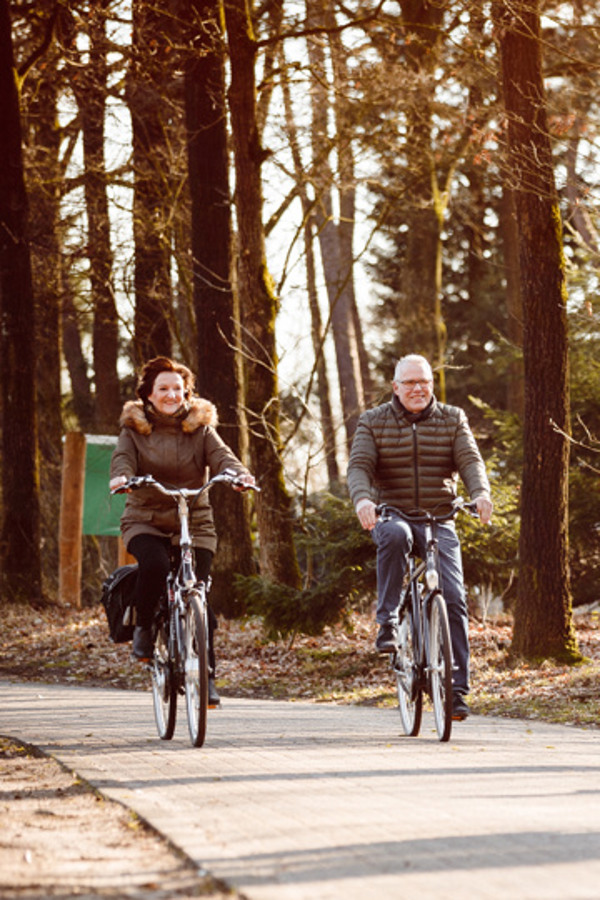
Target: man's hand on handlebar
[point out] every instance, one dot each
(367, 513)
(485, 507)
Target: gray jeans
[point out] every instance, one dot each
(395, 540)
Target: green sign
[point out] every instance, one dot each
(101, 511)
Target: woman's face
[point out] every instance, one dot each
(168, 393)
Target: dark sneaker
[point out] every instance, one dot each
(213, 697)
(143, 644)
(387, 639)
(460, 709)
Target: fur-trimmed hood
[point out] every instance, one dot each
(141, 417)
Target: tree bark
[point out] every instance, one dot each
(316, 324)
(89, 86)
(515, 388)
(345, 112)
(543, 624)
(423, 327)
(336, 254)
(20, 557)
(215, 301)
(42, 137)
(82, 397)
(151, 69)
(258, 306)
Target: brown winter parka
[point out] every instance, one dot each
(177, 450)
(413, 462)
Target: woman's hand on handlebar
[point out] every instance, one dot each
(244, 482)
(117, 482)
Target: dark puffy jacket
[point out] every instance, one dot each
(414, 464)
(177, 450)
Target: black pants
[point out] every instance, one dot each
(154, 555)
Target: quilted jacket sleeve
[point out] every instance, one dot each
(362, 463)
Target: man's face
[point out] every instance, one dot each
(414, 386)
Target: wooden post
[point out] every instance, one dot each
(71, 518)
(125, 558)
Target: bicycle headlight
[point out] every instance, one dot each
(431, 579)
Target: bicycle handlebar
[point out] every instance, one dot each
(228, 476)
(422, 515)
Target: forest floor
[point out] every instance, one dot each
(112, 853)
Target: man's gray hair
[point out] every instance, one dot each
(411, 358)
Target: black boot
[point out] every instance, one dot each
(143, 643)
(213, 696)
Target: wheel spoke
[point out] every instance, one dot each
(405, 664)
(164, 687)
(196, 667)
(440, 667)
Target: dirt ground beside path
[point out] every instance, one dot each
(61, 839)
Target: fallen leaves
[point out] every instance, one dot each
(72, 645)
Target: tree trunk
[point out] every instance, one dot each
(337, 265)
(515, 389)
(89, 86)
(258, 306)
(216, 306)
(82, 398)
(151, 68)
(42, 137)
(345, 113)
(20, 560)
(316, 325)
(423, 328)
(543, 625)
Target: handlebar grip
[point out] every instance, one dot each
(132, 484)
(246, 487)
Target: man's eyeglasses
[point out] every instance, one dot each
(411, 385)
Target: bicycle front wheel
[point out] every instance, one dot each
(440, 671)
(196, 666)
(410, 694)
(164, 687)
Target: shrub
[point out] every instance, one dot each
(338, 565)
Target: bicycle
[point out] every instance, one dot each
(422, 662)
(180, 661)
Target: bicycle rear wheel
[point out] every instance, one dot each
(410, 694)
(440, 672)
(196, 666)
(164, 686)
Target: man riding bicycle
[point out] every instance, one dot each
(408, 453)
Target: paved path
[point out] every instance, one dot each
(299, 801)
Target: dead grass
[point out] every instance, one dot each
(65, 645)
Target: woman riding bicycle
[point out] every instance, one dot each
(171, 434)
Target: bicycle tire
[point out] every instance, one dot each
(440, 667)
(410, 694)
(164, 687)
(195, 633)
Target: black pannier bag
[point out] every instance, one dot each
(118, 601)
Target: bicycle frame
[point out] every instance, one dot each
(180, 663)
(420, 601)
(423, 660)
